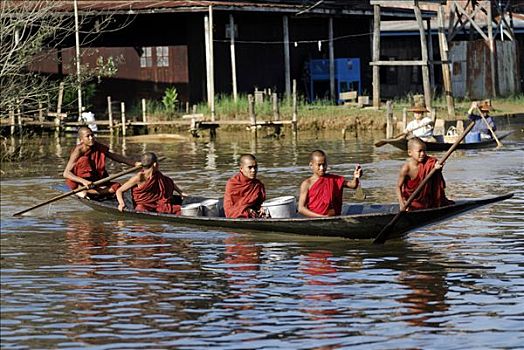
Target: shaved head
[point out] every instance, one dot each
(148, 159)
(82, 131)
(246, 157)
(317, 153)
(416, 141)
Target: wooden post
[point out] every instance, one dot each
(492, 49)
(276, 110)
(430, 55)
(287, 65)
(60, 97)
(110, 113)
(233, 59)
(446, 71)
(211, 64)
(12, 120)
(144, 115)
(295, 108)
(123, 114)
(251, 111)
(41, 113)
(404, 119)
(331, 62)
(208, 34)
(19, 117)
(424, 50)
(389, 120)
(376, 56)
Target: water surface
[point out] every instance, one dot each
(73, 278)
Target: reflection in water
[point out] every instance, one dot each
(75, 278)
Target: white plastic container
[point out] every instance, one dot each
(193, 209)
(210, 208)
(281, 207)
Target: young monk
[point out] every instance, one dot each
(321, 194)
(244, 192)
(152, 191)
(87, 164)
(417, 166)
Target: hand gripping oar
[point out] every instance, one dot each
(83, 188)
(499, 144)
(383, 235)
(398, 136)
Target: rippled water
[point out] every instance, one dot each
(75, 278)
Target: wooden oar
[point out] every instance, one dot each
(398, 136)
(499, 144)
(83, 188)
(383, 235)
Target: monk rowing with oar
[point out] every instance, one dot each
(416, 168)
(321, 194)
(87, 164)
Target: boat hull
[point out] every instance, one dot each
(358, 222)
(442, 146)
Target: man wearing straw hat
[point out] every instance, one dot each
(421, 127)
(480, 125)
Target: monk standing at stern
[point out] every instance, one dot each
(152, 190)
(413, 172)
(87, 164)
(244, 193)
(321, 194)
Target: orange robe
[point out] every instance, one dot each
(325, 195)
(92, 166)
(242, 194)
(156, 194)
(433, 194)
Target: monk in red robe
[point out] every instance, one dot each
(244, 193)
(152, 190)
(87, 164)
(413, 172)
(321, 194)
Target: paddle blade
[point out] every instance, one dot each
(380, 143)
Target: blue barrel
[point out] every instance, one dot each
(473, 137)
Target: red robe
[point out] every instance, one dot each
(433, 194)
(156, 194)
(92, 166)
(326, 195)
(242, 194)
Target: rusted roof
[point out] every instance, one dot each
(341, 7)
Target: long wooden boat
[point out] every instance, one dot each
(359, 221)
(402, 143)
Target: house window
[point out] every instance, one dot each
(146, 60)
(162, 56)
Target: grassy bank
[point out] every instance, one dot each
(324, 115)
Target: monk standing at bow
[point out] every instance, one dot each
(321, 194)
(413, 172)
(87, 164)
(244, 193)
(152, 190)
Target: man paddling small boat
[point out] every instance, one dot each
(416, 168)
(87, 164)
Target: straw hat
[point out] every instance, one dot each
(485, 106)
(419, 107)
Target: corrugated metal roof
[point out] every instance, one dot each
(304, 8)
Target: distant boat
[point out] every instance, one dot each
(359, 221)
(402, 143)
